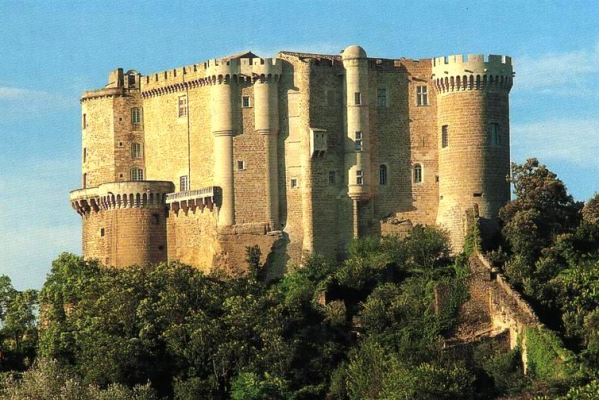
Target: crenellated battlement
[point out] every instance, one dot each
(210, 72)
(132, 194)
(472, 72)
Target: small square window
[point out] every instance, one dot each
(293, 183)
(182, 106)
(357, 98)
(422, 96)
(245, 102)
(332, 178)
(359, 177)
(381, 96)
(240, 165)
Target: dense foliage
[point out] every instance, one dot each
(550, 251)
(368, 328)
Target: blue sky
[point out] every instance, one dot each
(51, 51)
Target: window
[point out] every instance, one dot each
(240, 165)
(182, 106)
(358, 141)
(422, 96)
(137, 174)
(357, 98)
(84, 154)
(332, 178)
(84, 183)
(381, 97)
(383, 174)
(245, 102)
(84, 121)
(135, 116)
(184, 183)
(135, 150)
(359, 177)
(494, 138)
(444, 136)
(293, 183)
(102, 232)
(417, 173)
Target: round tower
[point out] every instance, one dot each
(266, 74)
(357, 151)
(473, 139)
(124, 223)
(222, 75)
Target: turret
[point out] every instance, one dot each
(357, 151)
(473, 126)
(112, 131)
(124, 222)
(266, 108)
(222, 76)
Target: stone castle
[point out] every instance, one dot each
(296, 154)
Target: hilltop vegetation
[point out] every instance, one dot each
(366, 328)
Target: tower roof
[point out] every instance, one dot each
(354, 51)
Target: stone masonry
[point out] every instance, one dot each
(296, 154)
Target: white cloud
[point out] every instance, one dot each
(569, 140)
(17, 101)
(563, 74)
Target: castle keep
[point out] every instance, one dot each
(296, 154)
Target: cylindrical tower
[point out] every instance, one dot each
(474, 152)
(124, 223)
(357, 151)
(266, 98)
(222, 105)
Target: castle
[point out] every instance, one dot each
(296, 154)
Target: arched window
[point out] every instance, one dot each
(383, 174)
(137, 174)
(417, 173)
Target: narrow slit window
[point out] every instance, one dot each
(444, 136)
(84, 121)
(383, 175)
(417, 173)
(182, 106)
(381, 95)
(494, 134)
(184, 183)
(358, 141)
